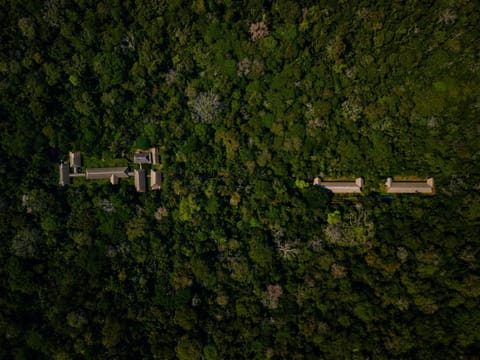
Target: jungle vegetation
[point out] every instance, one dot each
(238, 257)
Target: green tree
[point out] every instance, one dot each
(188, 348)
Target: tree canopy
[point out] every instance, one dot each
(239, 256)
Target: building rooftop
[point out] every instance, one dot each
(106, 173)
(75, 159)
(114, 179)
(409, 187)
(146, 156)
(340, 187)
(140, 180)
(155, 180)
(64, 174)
(142, 157)
(154, 155)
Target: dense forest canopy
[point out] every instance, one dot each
(238, 256)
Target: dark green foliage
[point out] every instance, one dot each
(238, 256)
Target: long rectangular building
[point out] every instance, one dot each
(155, 180)
(409, 187)
(340, 187)
(112, 173)
(140, 180)
(64, 174)
(154, 155)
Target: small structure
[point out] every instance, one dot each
(340, 187)
(26, 203)
(142, 157)
(114, 179)
(140, 180)
(409, 187)
(113, 173)
(64, 174)
(155, 180)
(75, 161)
